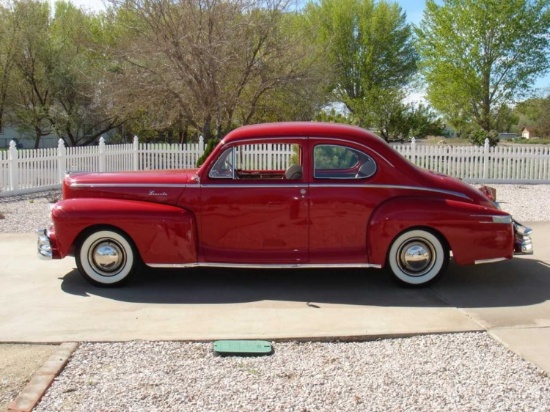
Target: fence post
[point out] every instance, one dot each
(135, 150)
(61, 160)
(13, 166)
(485, 160)
(201, 146)
(101, 154)
(413, 150)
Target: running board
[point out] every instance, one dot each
(263, 266)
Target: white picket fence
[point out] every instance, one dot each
(27, 171)
(475, 164)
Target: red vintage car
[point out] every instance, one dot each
(340, 197)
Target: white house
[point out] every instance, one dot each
(7, 134)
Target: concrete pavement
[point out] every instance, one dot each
(49, 302)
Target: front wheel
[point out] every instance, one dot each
(418, 258)
(106, 258)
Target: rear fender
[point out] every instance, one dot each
(161, 233)
(469, 230)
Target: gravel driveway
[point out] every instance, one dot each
(460, 372)
(451, 372)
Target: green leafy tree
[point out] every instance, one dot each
(369, 47)
(8, 48)
(78, 115)
(55, 73)
(478, 137)
(33, 69)
(210, 146)
(333, 116)
(424, 122)
(478, 55)
(533, 113)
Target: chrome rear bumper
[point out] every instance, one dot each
(522, 239)
(44, 246)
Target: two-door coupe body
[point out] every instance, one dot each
(339, 197)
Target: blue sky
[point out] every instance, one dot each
(413, 8)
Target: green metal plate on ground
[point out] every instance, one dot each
(242, 347)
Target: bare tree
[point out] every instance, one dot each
(207, 63)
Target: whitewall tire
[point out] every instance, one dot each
(106, 258)
(417, 258)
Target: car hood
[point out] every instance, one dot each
(164, 186)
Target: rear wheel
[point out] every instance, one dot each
(106, 258)
(418, 258)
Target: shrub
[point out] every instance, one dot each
(479, 136)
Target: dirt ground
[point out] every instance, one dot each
(18, 362)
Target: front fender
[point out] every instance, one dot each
(161, 233)
(470, 230)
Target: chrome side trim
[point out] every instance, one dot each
(424, 189)
(495, 219)
(263, 266)
(253, 185)
(147, 185)
(333, 185)
(44, 247)
(482, 261)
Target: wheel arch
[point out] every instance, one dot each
(160, 233)
(87, 231)
(399, 215)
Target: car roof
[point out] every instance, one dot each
(317, 129)
(304, 129)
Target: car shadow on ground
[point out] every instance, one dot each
(522, 281)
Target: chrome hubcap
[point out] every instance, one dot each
(416, 257)
(107, 257)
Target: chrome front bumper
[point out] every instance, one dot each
(522, 239)
(44, 246)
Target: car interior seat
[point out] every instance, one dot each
(294, 172)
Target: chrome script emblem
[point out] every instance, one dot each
(153, 193)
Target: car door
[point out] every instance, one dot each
(341, 202)
(254, 205)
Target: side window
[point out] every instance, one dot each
(341, 162)
(223, 168)
(261, 161)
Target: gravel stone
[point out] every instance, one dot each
(26, 213)
(450, 372)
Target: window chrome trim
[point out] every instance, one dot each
(352, 142)
(354, 178)
(232, 154)
(268, 139)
